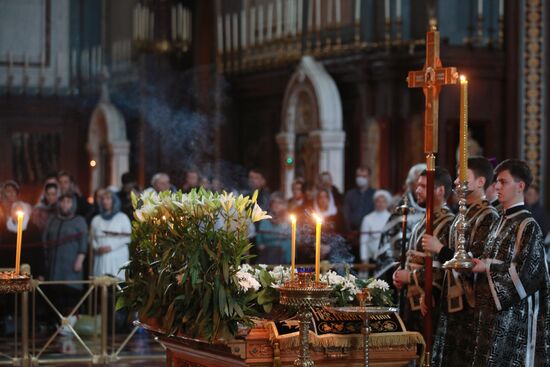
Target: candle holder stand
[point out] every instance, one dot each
(364, 312)
(461, 260)
(12, 283)
(302, 297)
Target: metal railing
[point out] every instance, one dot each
(30, 351)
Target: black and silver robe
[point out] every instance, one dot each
(389, 249)
(453, 346)
(512, 296)
(441, 226)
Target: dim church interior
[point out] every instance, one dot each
(99, 88)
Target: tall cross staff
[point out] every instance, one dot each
(431, 78)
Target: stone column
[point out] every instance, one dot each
(286, 142)
(330, 146)
(120, 152)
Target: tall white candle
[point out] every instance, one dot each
(479, 8)
(220, 34)
(252, 26)
(398, 8)
(500, 8)
(279, 18)
(228, 46)
(243, 29)
(357, 11)
(300, 15)
(329, 11)
(338, 5)
(318, 14)
(387, 10)
(269, 21)
(260, 24)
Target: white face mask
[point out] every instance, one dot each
(361, 181)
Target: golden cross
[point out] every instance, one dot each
(431, 78)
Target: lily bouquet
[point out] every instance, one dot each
(186, 252)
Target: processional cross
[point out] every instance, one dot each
(431, 78)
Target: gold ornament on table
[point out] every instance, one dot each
(364, 311)
(461, 260)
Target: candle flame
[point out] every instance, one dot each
(292, 218)
(317, 218)
(20, 214)
(463, 79)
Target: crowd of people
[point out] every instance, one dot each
(67, 237)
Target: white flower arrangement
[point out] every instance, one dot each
(247, 282)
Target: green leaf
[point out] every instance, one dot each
(222, 300)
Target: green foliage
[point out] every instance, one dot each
(185, 254)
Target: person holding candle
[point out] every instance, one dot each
(412, 277)
(512, 294)
(452, 343)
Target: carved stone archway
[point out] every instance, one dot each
(107, 144)
(311, 128)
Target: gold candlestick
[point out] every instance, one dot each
(461, 259)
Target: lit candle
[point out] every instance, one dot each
(293, 247)
(20, 216)
(463, 168)
(387, 10)
(357, 11)
(480, 8)
(319, 222)
(338, 5)
(501, 8)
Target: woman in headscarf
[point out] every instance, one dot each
(110, 234)
(66, 240)
(46, 207)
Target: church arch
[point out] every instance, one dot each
(107, 145)
(311, 134)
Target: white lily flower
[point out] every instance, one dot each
(258, 214)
